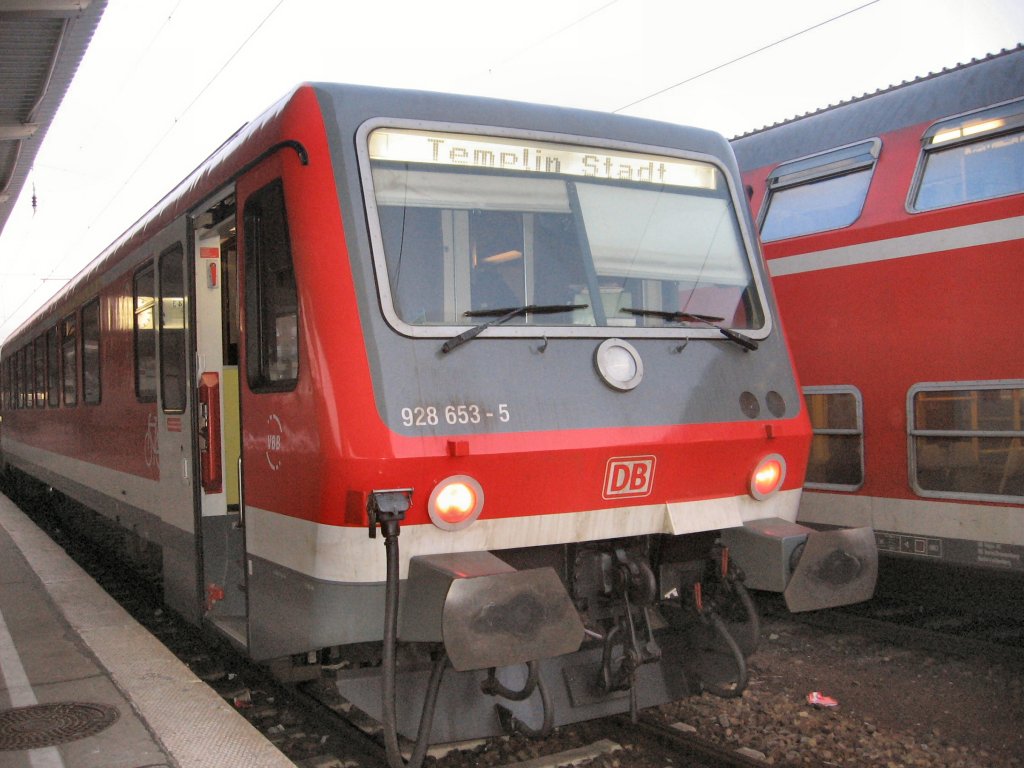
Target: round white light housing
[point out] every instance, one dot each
(619, 364)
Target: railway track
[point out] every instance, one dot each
(935, 629)
(646, 743)
(953, 621)
(890, 627)
(664, 743)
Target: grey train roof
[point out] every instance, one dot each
(979, 83)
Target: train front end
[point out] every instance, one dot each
(568, 401)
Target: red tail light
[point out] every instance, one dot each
(455, 502)
(767, 477)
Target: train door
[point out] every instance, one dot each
(165, 284)
(221, 525)
(268, 366)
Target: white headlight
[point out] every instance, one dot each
(619, 364)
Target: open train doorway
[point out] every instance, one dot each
(221, 528)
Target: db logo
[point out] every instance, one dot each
(628, 476)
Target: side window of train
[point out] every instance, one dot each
(971, 157)
(144, 330)
(173, 342)
(818, 193)
(69, 355)
(25, 396)
(19, 372)
(12, 382)
(271, 296)
(91, 387)
(837, 448)
(30, 398)
(19, 368)
(39, 369)
(29, 388)
(967, 440)
(12, 364)
(25, 371)
(52, 368)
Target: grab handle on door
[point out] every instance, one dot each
(212, 476)
(241, 495)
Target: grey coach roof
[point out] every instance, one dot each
(979, 83)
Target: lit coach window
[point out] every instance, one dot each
(455, 502)
(768, 476)
(970, 157)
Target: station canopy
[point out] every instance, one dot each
(42, 43)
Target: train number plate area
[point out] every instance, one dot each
(908, 545)
(986, 554)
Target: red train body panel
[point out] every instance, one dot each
(293, 356)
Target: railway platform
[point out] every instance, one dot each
(83, 685)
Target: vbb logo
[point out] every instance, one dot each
(628, 476)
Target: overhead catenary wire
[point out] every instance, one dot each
(554, 34)
(189, 106)
(747, 55)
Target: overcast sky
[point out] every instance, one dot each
(166, 81)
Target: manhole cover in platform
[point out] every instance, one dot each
(45, 725)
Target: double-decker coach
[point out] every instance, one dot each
(893, 227)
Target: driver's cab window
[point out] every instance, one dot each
(654, 242)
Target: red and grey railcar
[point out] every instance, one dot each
(893, 227)
(537, 343)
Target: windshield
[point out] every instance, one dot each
(470, 224)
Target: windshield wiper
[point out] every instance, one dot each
(503, 315)
(744, 341)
